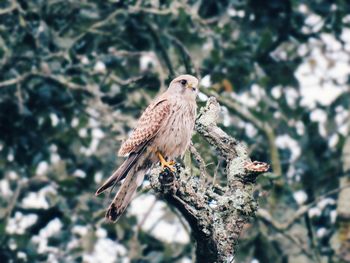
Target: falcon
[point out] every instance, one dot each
(162, 134)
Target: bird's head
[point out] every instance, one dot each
(186, 85)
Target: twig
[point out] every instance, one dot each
(125, 82)
(58, 78)
(200, 161)
(216, 173)
(143, 220)
(154, 11)
(186, 57)
(13, 201)
(181, 219)
(262, 126)
(162, 49)
(9, 9)
(99, 24)
(14, 81)
(266, 217)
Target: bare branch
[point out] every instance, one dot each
(266, 217)
(14, 81)
(162, 49)
(245, 114)
(199, 160)
(58, 78)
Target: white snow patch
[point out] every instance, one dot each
(318, 115)
(147, 61)
(325, 202)
(287, 142)
(163, 230)
(303, 49)
(83, 132)
(276, 92)
(80, 230)
(314, 212)
(54, 119)
(42, 168)
(79, 173)
(5, 188)
(75, 122)
(202, 96)
(333, 141)
(205, 81)
(100, 67)
(38, 200)
(345, 34)
(314, 22)
(226, 116)
(98, 177)
(331, 42)
(53, 148)
(97, 133)
(300, 127)
(101, 233)
(52, 228)
(250, 130)
(303, 8)
(12, 175)
(333, 216)
(84, 60)
(10, 157)
(300, 197)
(106, 251)
(246, 99)
(54, 158)
(321, 232)
(291, 96)
(21, 255)
(19, 223)
(257, 91)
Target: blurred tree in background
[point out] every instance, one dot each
(75, 75)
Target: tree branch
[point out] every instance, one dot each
(162, 49)
(263, 127)
(216, 219)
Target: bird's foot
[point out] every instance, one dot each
(169, 165)
(165, 164)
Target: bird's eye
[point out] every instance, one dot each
(183, 82)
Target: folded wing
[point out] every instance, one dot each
(147, 127)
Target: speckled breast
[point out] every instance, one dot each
(173, 138)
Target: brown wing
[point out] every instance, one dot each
(147, 127)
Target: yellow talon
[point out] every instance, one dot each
(164, 163)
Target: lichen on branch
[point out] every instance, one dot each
(216, 218)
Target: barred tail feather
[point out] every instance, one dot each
(125, 194)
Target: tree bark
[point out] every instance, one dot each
(215, 214)
(341, 238)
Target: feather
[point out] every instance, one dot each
(124, 195)
(123, 170)
(149, 124)
(119, 174)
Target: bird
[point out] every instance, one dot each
(162, 134)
